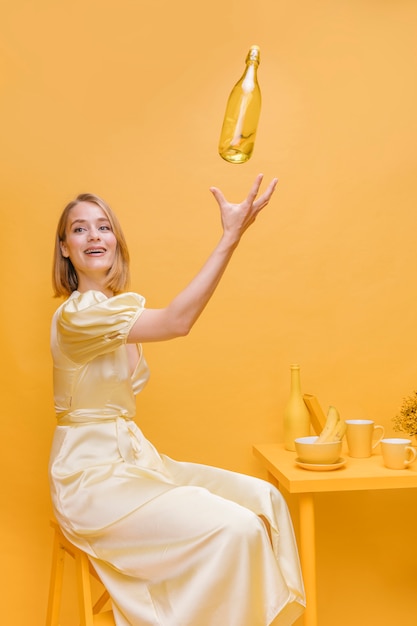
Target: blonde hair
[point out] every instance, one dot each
(64, 276)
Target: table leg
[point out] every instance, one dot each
(308, 556)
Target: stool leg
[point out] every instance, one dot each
(55, 586)
(101, 602)
(89, 615)
(84, 589)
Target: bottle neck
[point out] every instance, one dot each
(295, 380)
(251, 65)
(252, 62)
(249, 79)
(253, 56)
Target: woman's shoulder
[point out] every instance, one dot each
(79, 301)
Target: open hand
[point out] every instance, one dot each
(236, 218)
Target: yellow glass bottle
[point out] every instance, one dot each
(296, 414)
(237, 138)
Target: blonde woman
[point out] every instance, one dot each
(175, 543)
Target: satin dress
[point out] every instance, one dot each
(175, 543)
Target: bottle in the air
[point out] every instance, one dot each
(237, 138)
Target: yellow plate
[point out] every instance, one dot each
(321, 467)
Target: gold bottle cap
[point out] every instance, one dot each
(254, 54)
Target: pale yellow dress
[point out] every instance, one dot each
(176, 544)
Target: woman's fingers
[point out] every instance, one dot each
(251, 197)
(266, 196)
(254, 189)
(218, 194)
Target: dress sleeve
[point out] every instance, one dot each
(90, 324)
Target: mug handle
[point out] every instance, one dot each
(382, 429)
(411, 455)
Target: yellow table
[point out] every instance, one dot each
(355, 475)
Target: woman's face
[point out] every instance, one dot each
(90, 244)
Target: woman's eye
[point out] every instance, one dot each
(105, 228)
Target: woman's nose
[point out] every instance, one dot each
(94, 234)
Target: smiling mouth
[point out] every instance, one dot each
(94, 251)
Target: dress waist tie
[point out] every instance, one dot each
(127, 432)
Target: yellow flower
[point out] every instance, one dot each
(406, 420)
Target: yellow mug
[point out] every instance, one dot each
(397, 453)
(360, 437)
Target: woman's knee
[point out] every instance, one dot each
(245, 527)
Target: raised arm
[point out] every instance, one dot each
(177, 319)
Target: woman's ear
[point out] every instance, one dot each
(64, 250)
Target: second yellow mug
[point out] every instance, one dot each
(360, 435)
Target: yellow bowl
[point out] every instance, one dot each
(309, 451)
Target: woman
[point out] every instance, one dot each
(176, 544)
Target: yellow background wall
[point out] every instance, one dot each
(126, 99)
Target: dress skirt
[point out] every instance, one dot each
(175, 544)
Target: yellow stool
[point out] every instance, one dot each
(90, 615)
